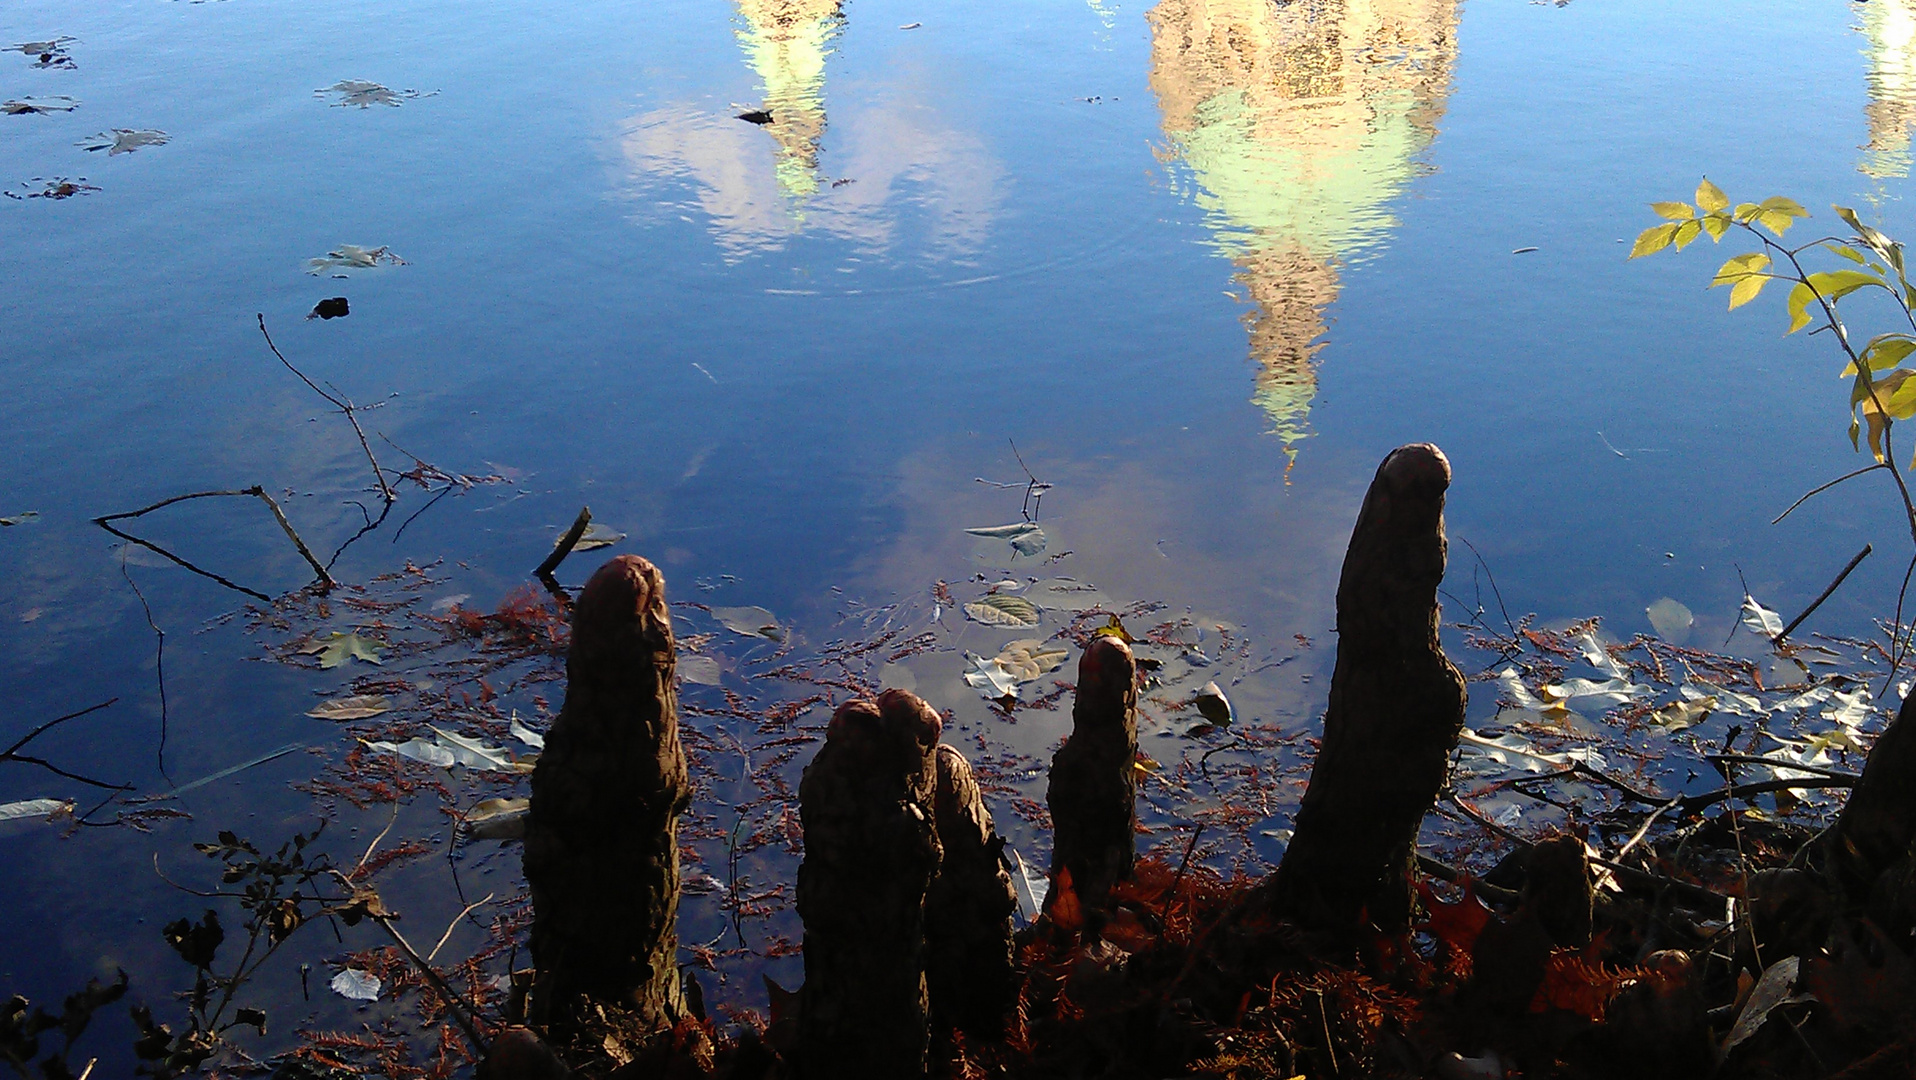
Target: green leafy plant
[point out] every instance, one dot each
(1882, 390)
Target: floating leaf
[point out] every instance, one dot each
(1028, 658)
(1000, 610)
(35, 808)
(1114, 627)
(1511, 750)
(525, 734)
(124, 140)
(23, 518)
(356, 984)
(335, 307)
(597, 536)
(1678, 715)
(1759, 619)
(336, 648)
(354, 257)
(1025, 537)
(749, 621)
(367, 94)
(357, 707)
(1065, 594)
(702, 670)
(426, 750)
(499, 819)
(28, 106)
(59, 187)
(990, 678)
(1213, 705)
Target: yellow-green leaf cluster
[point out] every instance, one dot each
(1745, 276)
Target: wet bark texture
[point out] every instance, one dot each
(1867, 851)
(1396, 708)
(867, 804)
(1093, 792)
(601, 847)
(968, 909)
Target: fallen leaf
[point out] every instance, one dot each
(989, 678)
(123, 140)
(997, 610)
(1771, 991)
(1678, 715)
(356, 984)
(426, 750)
(357, 707)
(367, 94)
(1024, 537)
(1067, 913)
(702, 670)
(332, 308)
(336, 648)
(1031, 888)
(749, 621)
(499, 819)
(1114, 627)
(57, 188)
(1669, 618)
(31, 808)
(1759, 619)
(354, 257)
(23, 518)
(525, 734)
(760, 117)
(1214, 706)
(27, 106)
(1504, 748)
(597, 536)
(1027, 658)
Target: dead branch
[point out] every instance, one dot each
(326, 581)
(12, 753)
(565, 545)
(342, 404)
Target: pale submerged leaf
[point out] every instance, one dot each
(1678, 715)
(1029, 658)
(1759, 619)
(1670, 618)
(597, 536)
(335, 648)
(35, 808)
(749, 621)
(1000, 610)
(525, 734)
(990, 678)
(1024, 537)
(499, 819)
(357, 707)
(702, 670)
(357, 985)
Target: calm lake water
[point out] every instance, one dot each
(1204, 261)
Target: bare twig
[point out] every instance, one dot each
(1825, 595)
(12, 753)
(1821, 488)
(344, 405)
(326, 581)
(159, 654)
(454, 925)
(565, 545)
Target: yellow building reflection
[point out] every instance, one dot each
(1300, 121)
(787, 42)
(1889, 31)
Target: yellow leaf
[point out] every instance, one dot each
(1686, 232)
(1710, 197)
(1745, 290)
(1747, 211)
(1883, 352)
(1652, 240)
(1787, 206)
(1675, 211)
(1738, 267)
(1776, 221)
(1798, 305)
(1716, 225)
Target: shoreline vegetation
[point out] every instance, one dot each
(1650, 857)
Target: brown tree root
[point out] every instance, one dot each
(1093, 791)
(601, 848)
(968, 910)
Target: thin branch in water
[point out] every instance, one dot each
(344, 405)
(1825, 595)
(1494, 591)
(159, 656)
(454, 925)
(565, 545)
(1818, 490)
(326, 581)
(415, 514)
(371, 524)
(50, 725)
(1034, 487)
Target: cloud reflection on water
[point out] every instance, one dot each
(1299, 123)
(900, 166)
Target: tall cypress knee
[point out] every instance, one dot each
(867, 805)
(601, 848)
(1093, 791)
(1396, 708)
(968, 909)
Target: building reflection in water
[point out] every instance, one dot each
(1299, 121)
(893, 160)
(1889, 33)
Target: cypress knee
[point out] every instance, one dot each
(866, 803)
(1093, 792)
(601, 848)
(968, 910)
(1867, 854)
(1396, 708)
